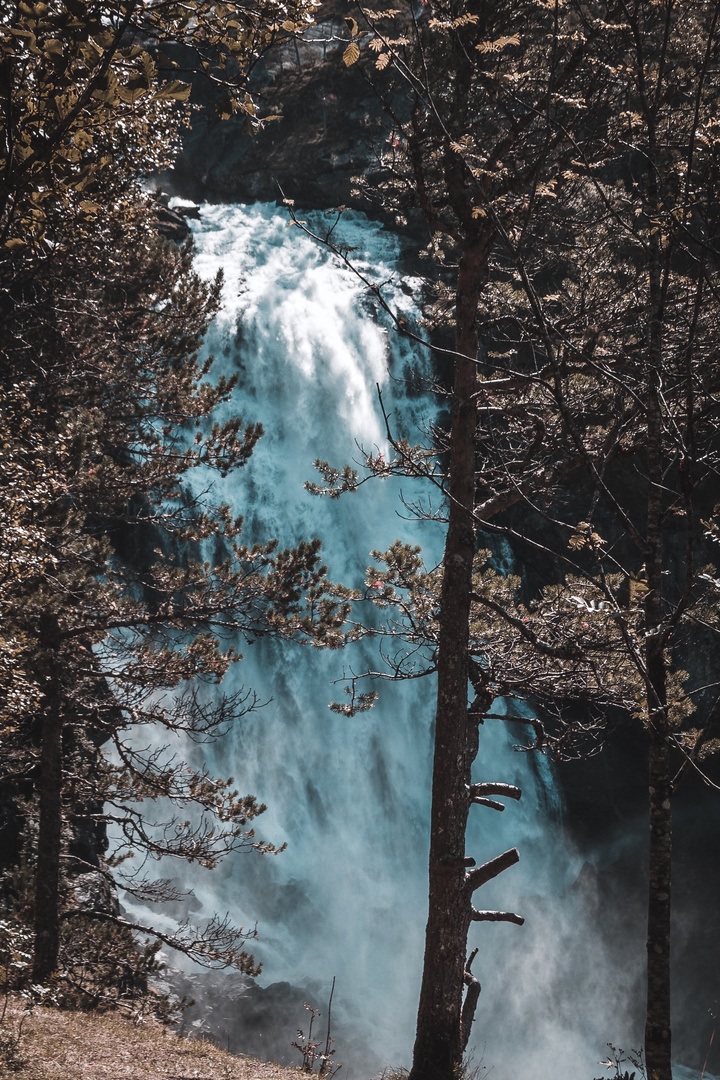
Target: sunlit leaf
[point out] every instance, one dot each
(351, 54)
(174, 89)
(498, 44)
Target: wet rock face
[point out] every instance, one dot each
(237, 1014)
(264, 1022)
(95, 891)
(171, 223)
(330, 127)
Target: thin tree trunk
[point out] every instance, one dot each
(657, 1027)
(438, 1044)
(657, 1020)
(47, 875)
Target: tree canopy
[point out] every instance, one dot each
(124, 593)
(567, 173)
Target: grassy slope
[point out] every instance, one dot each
(58, 1045)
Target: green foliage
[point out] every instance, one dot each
(126, 639)
(87, 99)
(15, 955)
(105, 966)
(101, 966)
(123, 595)
(568, 176)
(519, 146)
(24, 485)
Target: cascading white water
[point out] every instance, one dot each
(346, 795)
(351, 796)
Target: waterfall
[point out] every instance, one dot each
(351, 796)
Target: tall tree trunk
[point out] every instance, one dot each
(47, 875)
(438, 1044)
(657, 1025)
(657, 1018)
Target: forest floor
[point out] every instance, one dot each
(56, 1045)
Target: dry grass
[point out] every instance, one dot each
(84, 1046)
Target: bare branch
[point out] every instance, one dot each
(482, 874)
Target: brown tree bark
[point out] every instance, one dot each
(472, 996)
(438, 1044)
(658, 1057)
(658, 1021)
(47, 875)
(657, 1044)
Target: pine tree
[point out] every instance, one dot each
(141, 589)
(568, 176)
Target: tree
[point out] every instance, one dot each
(624, 338)
(463, 81)
(569, 178)
(75, 74)
(23, 552)
(102, 323)
(154, 624)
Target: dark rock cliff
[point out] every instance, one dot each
(329, 129)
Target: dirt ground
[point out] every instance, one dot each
(53, 1045)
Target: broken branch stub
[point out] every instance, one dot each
(491, 803)
(470, 1003)
(477, 877)
(508, 790)
(497, 916)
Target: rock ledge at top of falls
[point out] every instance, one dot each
(330, 130)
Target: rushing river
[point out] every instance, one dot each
(347, 899)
